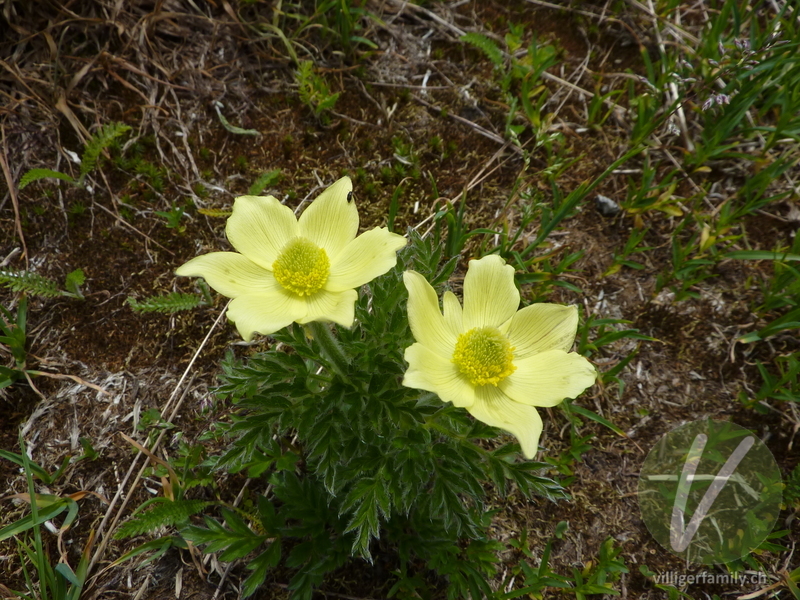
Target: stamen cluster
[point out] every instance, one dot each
(484, 355)
(302, 267)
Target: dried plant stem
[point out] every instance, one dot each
(115, 516)
(12, 192)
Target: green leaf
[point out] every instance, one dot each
(790, 320)
(37, 174)
(37, 471)
(74, 282)
(171, 303)
(101, 140)
(68, 574)
(370, 500)
(265, 180)
(585, 412)
(22, 314)
(270, 520)
(45, 513)
(166, 513)
(234, 543)
(750, 338)
(233, 128)
(357, 39)
(33, 283)
(487, 46)
(326, 103)
(761, 255)
(260, 566)
(160, 545)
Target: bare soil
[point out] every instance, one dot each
(69, 67)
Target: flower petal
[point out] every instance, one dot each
(231, 274)
(372, 253)
(331, 221)
(494, 408)
(490, 296)
(264, 313)
(452, 314)
(429, 371)
(427, 323)
(338, 307)
(260, 227)
(541, 327)
(545, 379)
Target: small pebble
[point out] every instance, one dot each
(606, 206)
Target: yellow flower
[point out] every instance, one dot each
(495, 361)
(289, 270)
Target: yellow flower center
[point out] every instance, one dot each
(302, 267)
(483, 355)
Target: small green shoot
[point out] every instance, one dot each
(170, 303)
(782, 385)
(232, 128)
(313, 90)
(100, 141)
(520, 72)
(39, 285)
(597, 577)
(37, 471)
(341, 20)
(14, 339)
(632, 246)
(173, 217)
(264, 181)
(53, 583)
(791, 493)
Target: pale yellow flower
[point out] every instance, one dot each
(295, 270)
(490, 358)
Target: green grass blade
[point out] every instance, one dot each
(593, 416)
(761, 255)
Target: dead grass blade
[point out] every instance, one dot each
(113, 514)
(13, 193)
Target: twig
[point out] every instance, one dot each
(64, 109)
(675, 29)
(12, 192)
(74, 378)
(33, 387)
(141, 233)
(484, 132)
(222, 580)
(101, 549)
(434, 17)
(577, 11)
(674, 94)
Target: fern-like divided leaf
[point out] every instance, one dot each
(99, 142)
(217, 213)
(163, 515)
(263, 181)
(32, 283)
(483, 43)
(171, 303)
(37, 174)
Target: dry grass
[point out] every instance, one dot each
(67, 68)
